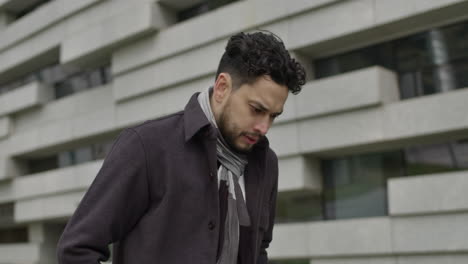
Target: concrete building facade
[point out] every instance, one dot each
(373, 152)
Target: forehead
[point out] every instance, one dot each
(266, 92)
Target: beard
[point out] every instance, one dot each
(231, 132)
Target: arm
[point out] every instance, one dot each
(113, 204)
(268, 235)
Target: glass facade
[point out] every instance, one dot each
(13, 235)
(429, 62)
(66, 80)
(204, 7)
(356, 186)
(72, 157)
(6, 214)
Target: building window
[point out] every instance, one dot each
(303, 206)
(70, 81)
(292, 261)
(70, 157)
(66, 80)
(430, 62)
(14, 235)
(356, 186)
(202, 7)
(7, 212)
(17, 9)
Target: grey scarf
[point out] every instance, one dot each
(231, 168)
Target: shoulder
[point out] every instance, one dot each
(162, 127)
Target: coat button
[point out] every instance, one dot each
(211, 225)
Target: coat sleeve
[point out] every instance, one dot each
(113, 204)
(268, 235)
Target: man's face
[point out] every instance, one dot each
(250, 111)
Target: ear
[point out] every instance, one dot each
(222, 87)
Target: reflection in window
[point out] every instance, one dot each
(434, 158)
(298, 207)
(71, 157)
(430, 62)
(66, 80)
(356, 186)
(7, 212)
(203, 7)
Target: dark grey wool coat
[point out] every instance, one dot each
(156, 198)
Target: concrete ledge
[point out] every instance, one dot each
(387, 126)
(334, 238)
(357, 260)
(111, 31)
(47, 208)
(5, 127)
(24, 253)
(346, 92)
(434, 259)
(75, 125)
(192, 65)
(75, 178)
(22, 98)
(299, 173)
(181, 37)
(435, 193)
(40, 19)
(430, 234)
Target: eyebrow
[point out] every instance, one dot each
(264, 108)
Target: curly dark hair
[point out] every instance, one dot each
(249, 56)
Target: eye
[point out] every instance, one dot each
(256, 110)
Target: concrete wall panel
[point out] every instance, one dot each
(47, 208)
(51, 13)
(134, 20)
(5, 127)
(21, 253)
(22, 98)
(436, 193)
(335, 238)
(425, 234)
(299, 172)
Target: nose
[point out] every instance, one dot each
(261, 126)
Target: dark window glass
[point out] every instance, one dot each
(435, 158)
(26, 9)
(66, 80)
(71, 80)
(356, 186)
(71, 157)
(84, 154)
(201, 8)
(430, 62)
(43, 164)
(66, 158)
(6, 214)
(298, 207)
(14, 235)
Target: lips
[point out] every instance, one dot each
(251, 139)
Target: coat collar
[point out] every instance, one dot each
(195, 121)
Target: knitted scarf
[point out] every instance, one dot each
(231, 167)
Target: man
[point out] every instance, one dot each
(198, 186)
